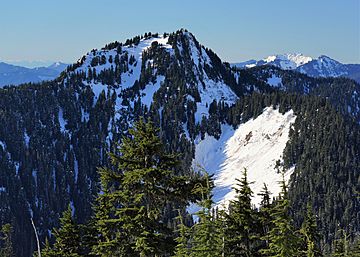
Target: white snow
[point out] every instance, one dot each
(27, 139)
(210, 90)
(148, 93)
(62, 121)
(72, 208)
(34, 175)
(255, 145)
(17, 166)
(289, 61)
(2, 144)
(97, 89)
(76, 170)
(274, 81)
(213, 91)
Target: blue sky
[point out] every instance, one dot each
(49, 30)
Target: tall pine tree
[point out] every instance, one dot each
(207, 239)
(264, 216)
(242, 238)
(136, 190)
(67, 238)
(283, 241)
(311, 235)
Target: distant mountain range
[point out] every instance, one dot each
(15, 75)
(323, 66)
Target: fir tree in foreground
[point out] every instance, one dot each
(182, 248)
(241, 228)
(311, 235)
(67, 242)
(207, 239)
(136, 191)
(283, 241)
(264, 217)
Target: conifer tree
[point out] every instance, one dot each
(182, 248)
(67, 243)
(264, 216)
(241, 233)
(136, 190)
(47, 251)
(355, 250)
(6, 237)
(311, 235)
(206, 239)
(341, 245)
(283, 241)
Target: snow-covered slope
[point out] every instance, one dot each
(190, 51)
(255, 145)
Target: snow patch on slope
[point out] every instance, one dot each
(274, 81)
(218, 91)
(148, 93)
(255, 145)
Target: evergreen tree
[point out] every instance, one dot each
(67, 241)
(311, 235)
(283, 241)
(242, 237)
(341, 245)
(182, 247)
(6, 238)
(355, 250)
(264, 216)
(47, 251)
(206, 239)
(137, 189)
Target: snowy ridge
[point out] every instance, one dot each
(128, 78)
(256, 145)
(324, 67)
(209, 89)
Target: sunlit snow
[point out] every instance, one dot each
(255, 145)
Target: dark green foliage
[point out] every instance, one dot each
(283, 240)
(241, 224)
(67, 241)
(341, 245)
(6, 242)
(207, 239)
(264, 217)
(136, 191)
(182, 248)
(311, 234)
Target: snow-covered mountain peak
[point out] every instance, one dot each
(139, 68)
(323, 66)
(288, 61)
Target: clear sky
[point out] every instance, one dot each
(237, 30)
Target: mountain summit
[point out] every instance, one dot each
(323, 66)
